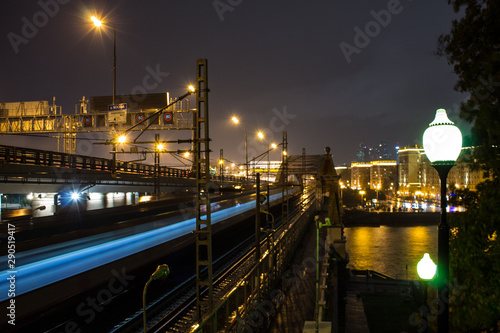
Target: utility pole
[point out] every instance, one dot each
(221, 165)
(284, 187)
(257, 219)
(203, 232)
(157, 165)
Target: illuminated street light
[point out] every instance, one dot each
(362, 193)
(122, 139)
(191, 88)
(426, 268)
(442, 144)
(98, 23)
(237, 121)
(160, 147)
(261, 136)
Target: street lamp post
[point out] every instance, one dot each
(442, 144)
(268, 152)
(99, 23)
(426, 270)
(236, 121)
(162, 271)
(362, 192)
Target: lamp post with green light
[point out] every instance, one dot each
(426, 269)
(442, 144)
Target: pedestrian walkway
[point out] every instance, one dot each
(300, 296)
(355, 318)
(298, 284)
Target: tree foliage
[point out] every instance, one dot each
(475, 261)
(473, 49)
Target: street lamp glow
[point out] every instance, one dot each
(96, 21)
(273, 145)
(260, 135)
(160, 146)
(426, 268)
(221, 161)
(191, 88)
(236, 121)
(122, 139)
(442, 139)
(186, 154)
(284, 152)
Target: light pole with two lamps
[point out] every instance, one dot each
(442, 144)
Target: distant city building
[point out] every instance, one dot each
(382, 152)
(409, 173)
(375, 175)
(345, 176)
(366, 154)
(417, 177)
(360, 175)
(363, 154)
(262, 167)
(383, 175)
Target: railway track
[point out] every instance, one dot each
(176, 311)
(171, 312)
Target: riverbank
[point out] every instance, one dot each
(354, 218)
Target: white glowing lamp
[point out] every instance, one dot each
(426, 268)
(442, 140)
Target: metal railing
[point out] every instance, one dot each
(36, 157)
(248, 306)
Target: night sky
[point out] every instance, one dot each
(330, 73)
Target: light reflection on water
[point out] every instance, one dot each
(388, 250)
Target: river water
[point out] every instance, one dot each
(393, 251)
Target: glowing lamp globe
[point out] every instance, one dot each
(426, 268)
(442, 140)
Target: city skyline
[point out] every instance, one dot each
(331, 74)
